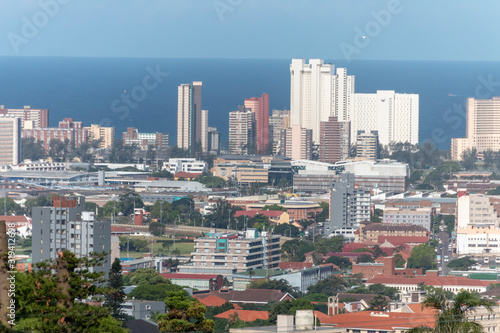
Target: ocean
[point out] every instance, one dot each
(142, 92)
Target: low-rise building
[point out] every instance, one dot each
(302, 279)
(384, 267)
(371, 231)
(417, 216)
(249, 296)
(191, 165)
(196, 281)
(142, 309)
(275, 216)
(296, 209)
(144, 140)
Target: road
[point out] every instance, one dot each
(443, 250)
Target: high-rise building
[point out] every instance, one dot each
(260, 107)
(367, 145)
(204, 130)
(35, 118)
(311, 94)
(145, 140)
(241, 131)
(343, 95)
(189, 117)
(278, 121)
(106, 135)
(333, 136)
(393, 115)
(10, 140)
(213, 141)
(67, 226)
(296, 143)
(482, 128)
(69, 131)
(349, 205)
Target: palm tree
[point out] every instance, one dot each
(452, 316)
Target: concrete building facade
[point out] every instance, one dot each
(189, 115)
(145, 140)
(10, 140)
(296, 143)
(241, 131)
(34, 118)
(279, 120)
(367, 145)
(417, 216)
(105, 134)
(260, 107)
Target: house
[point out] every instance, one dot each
(249, 296)
(385, 266)
(212, 300)
(350, 302)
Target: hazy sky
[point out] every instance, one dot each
(331, 29)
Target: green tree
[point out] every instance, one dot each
(422, 256)
(121, 153)
(294, 250)
(416, 175)
(364, 258)
(400, 262)
(211, 181)
(53, 305)
(288, 307)
(11, 207)
(157, 229)
(333, 244)
(378, 303)
(32, 149)
(144, 276)
(128, 201)
(329, 286)
(115, 295)
(274, 207)
(453, 316)
(325, 212)
(461, 264)
(469, 158)
(286, 230)
(341, 262)
(154, 292)
(184, 315)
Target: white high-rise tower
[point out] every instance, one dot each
(343, 95)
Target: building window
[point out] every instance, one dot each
(148, 307)
(206, 251)
(206, 244)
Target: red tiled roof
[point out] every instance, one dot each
(211, 300)
(377, 320)
(430, 280)
(348, 254)
(398, 240)
(252, 213)
(185, 174)
(244, 315)
(294, 265)
(13, 218)
(189, 276)
(121, 229)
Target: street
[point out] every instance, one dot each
(443, 251)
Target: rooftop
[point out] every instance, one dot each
(244, 315)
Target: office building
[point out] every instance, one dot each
(260, 107)
(35, 118)
(189, 118)
(311, 94)
(367, 145)
(241, 131)
(343, 95)
(67, 226)
(482, 128)
(296, 143)
(349, 205)
(225, 253)
(10, 140)
(106, 135)
(279, 120)
(190, 165)
(213, 141)
(69, 131)
(334, 140)
(393, 115)
(145, 140)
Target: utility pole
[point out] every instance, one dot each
(161, 212)
(202, 221)
(228, 220)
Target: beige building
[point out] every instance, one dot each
(204, 130)
(10, 140)
(105, 134)
(367, 145)
(222, 252)
(189, 115)
(244, 174)
(371, 231)
(296, 143)
(482, 129)
(30, 118)
(278, 121)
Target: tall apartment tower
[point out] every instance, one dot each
(105, 134)
(189, 117)
(213, 141)
(482, 128)
(334, 140)
(30, 118)
(367, 145)
(278, 121)
(393, 115)
(66, 226)
(204, 131)
(260, 107)
(349, 205)
(296, 143)
(241, 131)
(10, 140)
(343, 95)
(311, 94)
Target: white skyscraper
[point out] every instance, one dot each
(10, 140)
(204, 130)
(343, 95)
(394, 116)
(311, 94)
(189, 115)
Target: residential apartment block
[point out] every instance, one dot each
(106, 135)
(418, 216)
(189, 116)
(279, 120)
(34, 118)
(241, 131)
(222, 252)
(69, 131)
(190, 165)
(260, 107)
(367, 145)
(145, 140)
(369, 231)
(67, 226)
(296, 143)
(10, 140)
